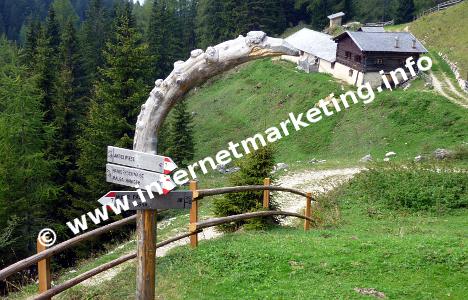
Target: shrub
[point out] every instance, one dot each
(415, 188)
(253, 169)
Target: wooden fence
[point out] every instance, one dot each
(440, 6)
(43, 256)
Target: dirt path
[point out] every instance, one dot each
(440, 86)
(315, 181)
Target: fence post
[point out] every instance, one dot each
(308, 211)
(43, 268)
(194, 213)
(266, 194)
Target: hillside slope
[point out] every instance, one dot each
(261, 94)
(446, 31)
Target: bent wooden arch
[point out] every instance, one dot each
(200, 225)
(193, 72)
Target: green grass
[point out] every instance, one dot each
(446, 32)
(261, 94)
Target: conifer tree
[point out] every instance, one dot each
(119, 93)
(405, 11)
(211, 22)
(27, 194)
(65, 13)
(69, 105)
(181, 145)
(94, 33)
(253, 169)
(31, 42)
(161, 39)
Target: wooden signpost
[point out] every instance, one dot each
(139, 169)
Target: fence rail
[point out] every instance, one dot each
(195, 227)
(440, 6)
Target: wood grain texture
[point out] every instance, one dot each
(43, 268)
(308, 211)
(194, 214)
(266, 194)
(146, 254)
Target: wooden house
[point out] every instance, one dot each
(361, 55)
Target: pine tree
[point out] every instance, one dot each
(181, 145)
(253, 169)
(27, 194)
(211, 22)
(46, 66)
(405, 11)
(69, 105)
(161, 39)
(116, 103)
(65, 13)
(93, 36)
(31, 43)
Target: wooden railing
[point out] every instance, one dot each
(42, 258)
(440, 6)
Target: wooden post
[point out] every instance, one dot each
(266, 194)
(308, 211)
(194, 213)
(43, 268)
(146, 254)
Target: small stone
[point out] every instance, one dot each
(441, 153)
(390, 154)
(366, 158)
(280, 166)
(418, 158)
(386, 159)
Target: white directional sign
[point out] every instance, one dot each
(175, 199)
(140, 160)
(136, 177)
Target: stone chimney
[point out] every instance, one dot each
(397, 42)
(414, 43)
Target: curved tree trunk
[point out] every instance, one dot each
(195, 71)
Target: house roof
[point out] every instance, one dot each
(384, 41)
(372, 29)
(338, 14)
(315, 43)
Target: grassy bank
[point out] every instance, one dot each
(261, 94)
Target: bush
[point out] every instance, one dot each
(415, 188)
(253, 169)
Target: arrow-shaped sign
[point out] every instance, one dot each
(141, 178)
(175, 199)
(140, 160)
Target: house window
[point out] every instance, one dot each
(351, 72)
(348, 55)
(357, 58)
(333, 65)
(379, 61)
